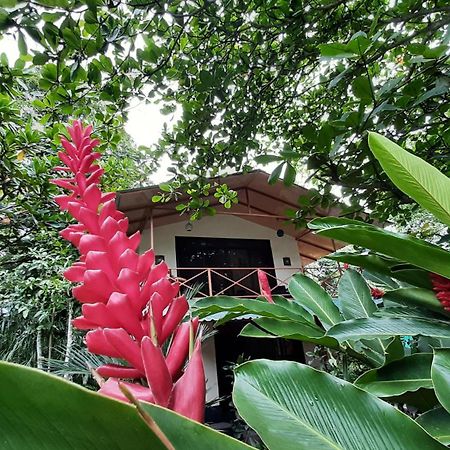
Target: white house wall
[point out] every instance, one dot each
(223, 226)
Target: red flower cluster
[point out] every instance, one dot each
(376, 292)
(441, 286)
(128, 303)
(264, 286)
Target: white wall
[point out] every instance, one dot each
(222, 226)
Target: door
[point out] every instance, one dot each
(232, 260)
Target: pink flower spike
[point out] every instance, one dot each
(156, 371)
(264, 286)
(129, 305)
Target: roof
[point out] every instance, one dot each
(259, 202)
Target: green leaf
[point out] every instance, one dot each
(23, 49)
(423, 298)
(266, 159)
(440, 374)
(437, 423)
(40, 59)
(414, 176)
(361, 88)
(206, 78)
(391, 267)
(380, 327)
(43, 412)
(281, 309)
(354, 295)
(356, 302)
(336, 50)
(288, 329)
(275, 175)
(289, 175)
(293, 407)
(401, 246)
(311, 296)
(407, 374)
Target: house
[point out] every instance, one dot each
(223, 252)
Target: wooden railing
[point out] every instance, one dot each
(239, 282)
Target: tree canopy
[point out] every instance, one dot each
(295, 82)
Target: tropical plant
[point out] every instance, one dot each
(290, 405)
(416, 292)
(128, 303)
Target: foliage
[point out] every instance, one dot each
(360, 327)
(321, 411)
(68, 416)
(288, 82)
(34, 301)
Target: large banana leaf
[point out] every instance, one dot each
(39, 411)
(437, 423)
(310, 295)
(390, 267)
(400, 246)
(281, 309)
(354, 295)
(356, 302)
(440, 374)
(407, 374)
(380, 327)
(295, 407)
(423, 298)
(270, 328)
(414, 176)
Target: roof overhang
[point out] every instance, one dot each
(259, 202)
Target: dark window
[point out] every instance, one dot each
(231, 257)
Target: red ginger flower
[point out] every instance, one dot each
(264, 286)
(441, 286)
(376, 292)
(128, 303)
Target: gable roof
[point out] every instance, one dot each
(259, 202)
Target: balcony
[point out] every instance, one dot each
(242, 282)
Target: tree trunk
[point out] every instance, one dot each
(69, 338)
(39, 349)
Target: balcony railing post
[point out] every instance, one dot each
(210, 288)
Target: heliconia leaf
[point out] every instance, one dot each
(311, 296)
(273, 328)
(407, 374)
(380, 327)
(294, 407)
(414, 176)
(280, 309)
(356, 302)
(400, 246)
(67, 416)
(354, 295)
(423, 298)
(440, 374)
(437, 423)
